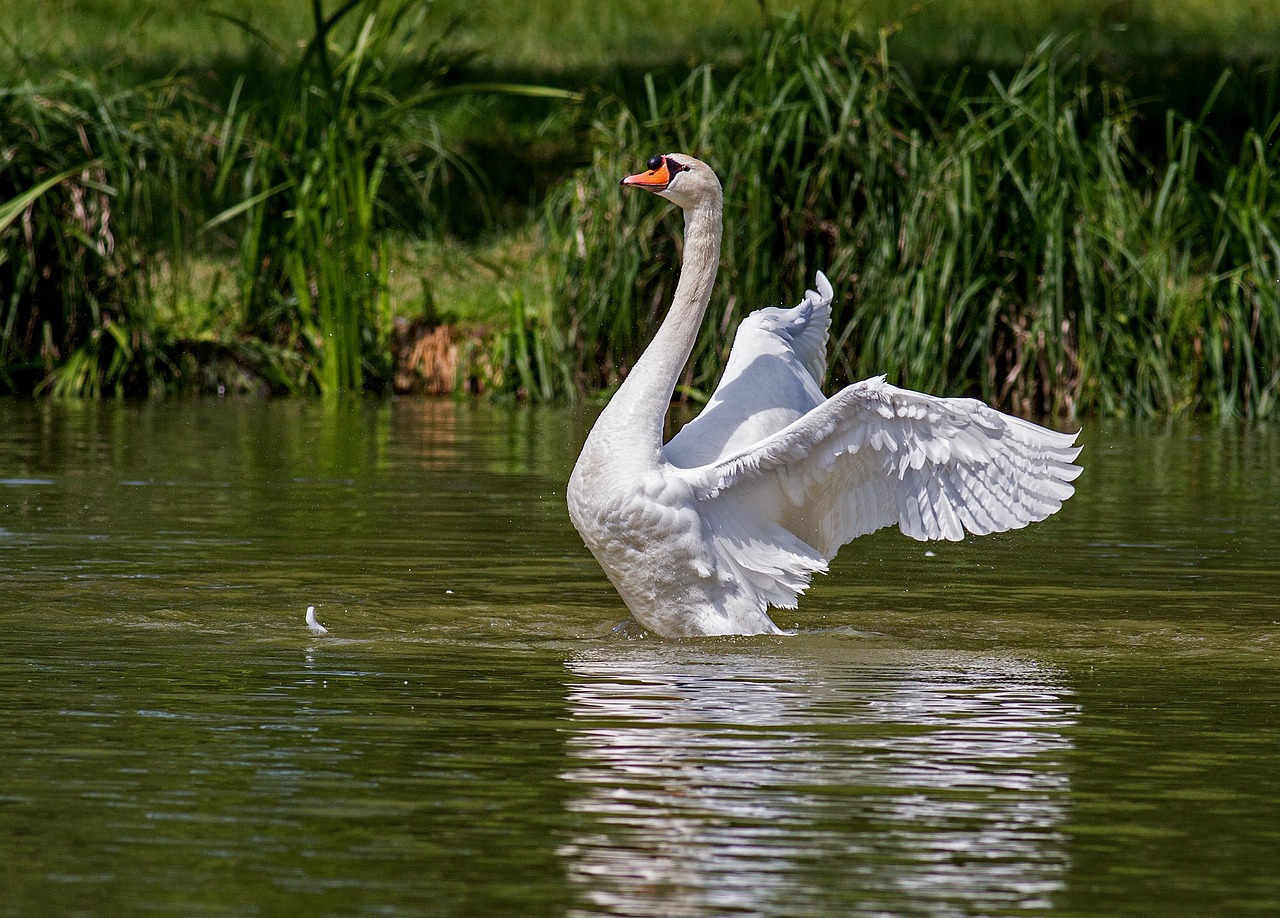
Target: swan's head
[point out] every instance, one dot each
(679, 178)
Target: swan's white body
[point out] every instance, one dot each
(756, 494)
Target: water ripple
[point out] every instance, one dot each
(706, 787)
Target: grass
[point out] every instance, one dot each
(1011, 242)
(296, 179)
(1085, 229)
(577, 36)
(314, 268)
(81, 185)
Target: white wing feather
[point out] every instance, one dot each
(772, 378)
(874, 455)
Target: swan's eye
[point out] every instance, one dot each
(655, 163)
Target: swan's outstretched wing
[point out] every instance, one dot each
(874, 455)
(807, 326)
(772, 378)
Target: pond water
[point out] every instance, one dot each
(1082, 718)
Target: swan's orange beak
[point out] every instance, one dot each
(656, 179)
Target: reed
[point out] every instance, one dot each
(85, 175)
(1009, 242)
(1035, 238)
(356, 110)
(113, 202)
(310, 163)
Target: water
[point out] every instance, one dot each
(1082, 718)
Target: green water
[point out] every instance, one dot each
(1082, 718)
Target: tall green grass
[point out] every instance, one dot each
(357, 110)
(1009, 242)
(82, 181)
(112, 198)
(314, 257)
(1036, 237)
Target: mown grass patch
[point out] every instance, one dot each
(544, 37)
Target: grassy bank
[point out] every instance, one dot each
(264, 201)
(583, 37)
(1011, 242)
(193, 243)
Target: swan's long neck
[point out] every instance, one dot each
(634, 418)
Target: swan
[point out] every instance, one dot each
(701, 535)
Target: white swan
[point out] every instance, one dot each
(759, 491)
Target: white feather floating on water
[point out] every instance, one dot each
(312, 625)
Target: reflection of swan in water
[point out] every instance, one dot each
(720, 783)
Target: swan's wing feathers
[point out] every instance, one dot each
(770, 562)
(802, 330)
(772, 378)
(809, 337)
(874, 455)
